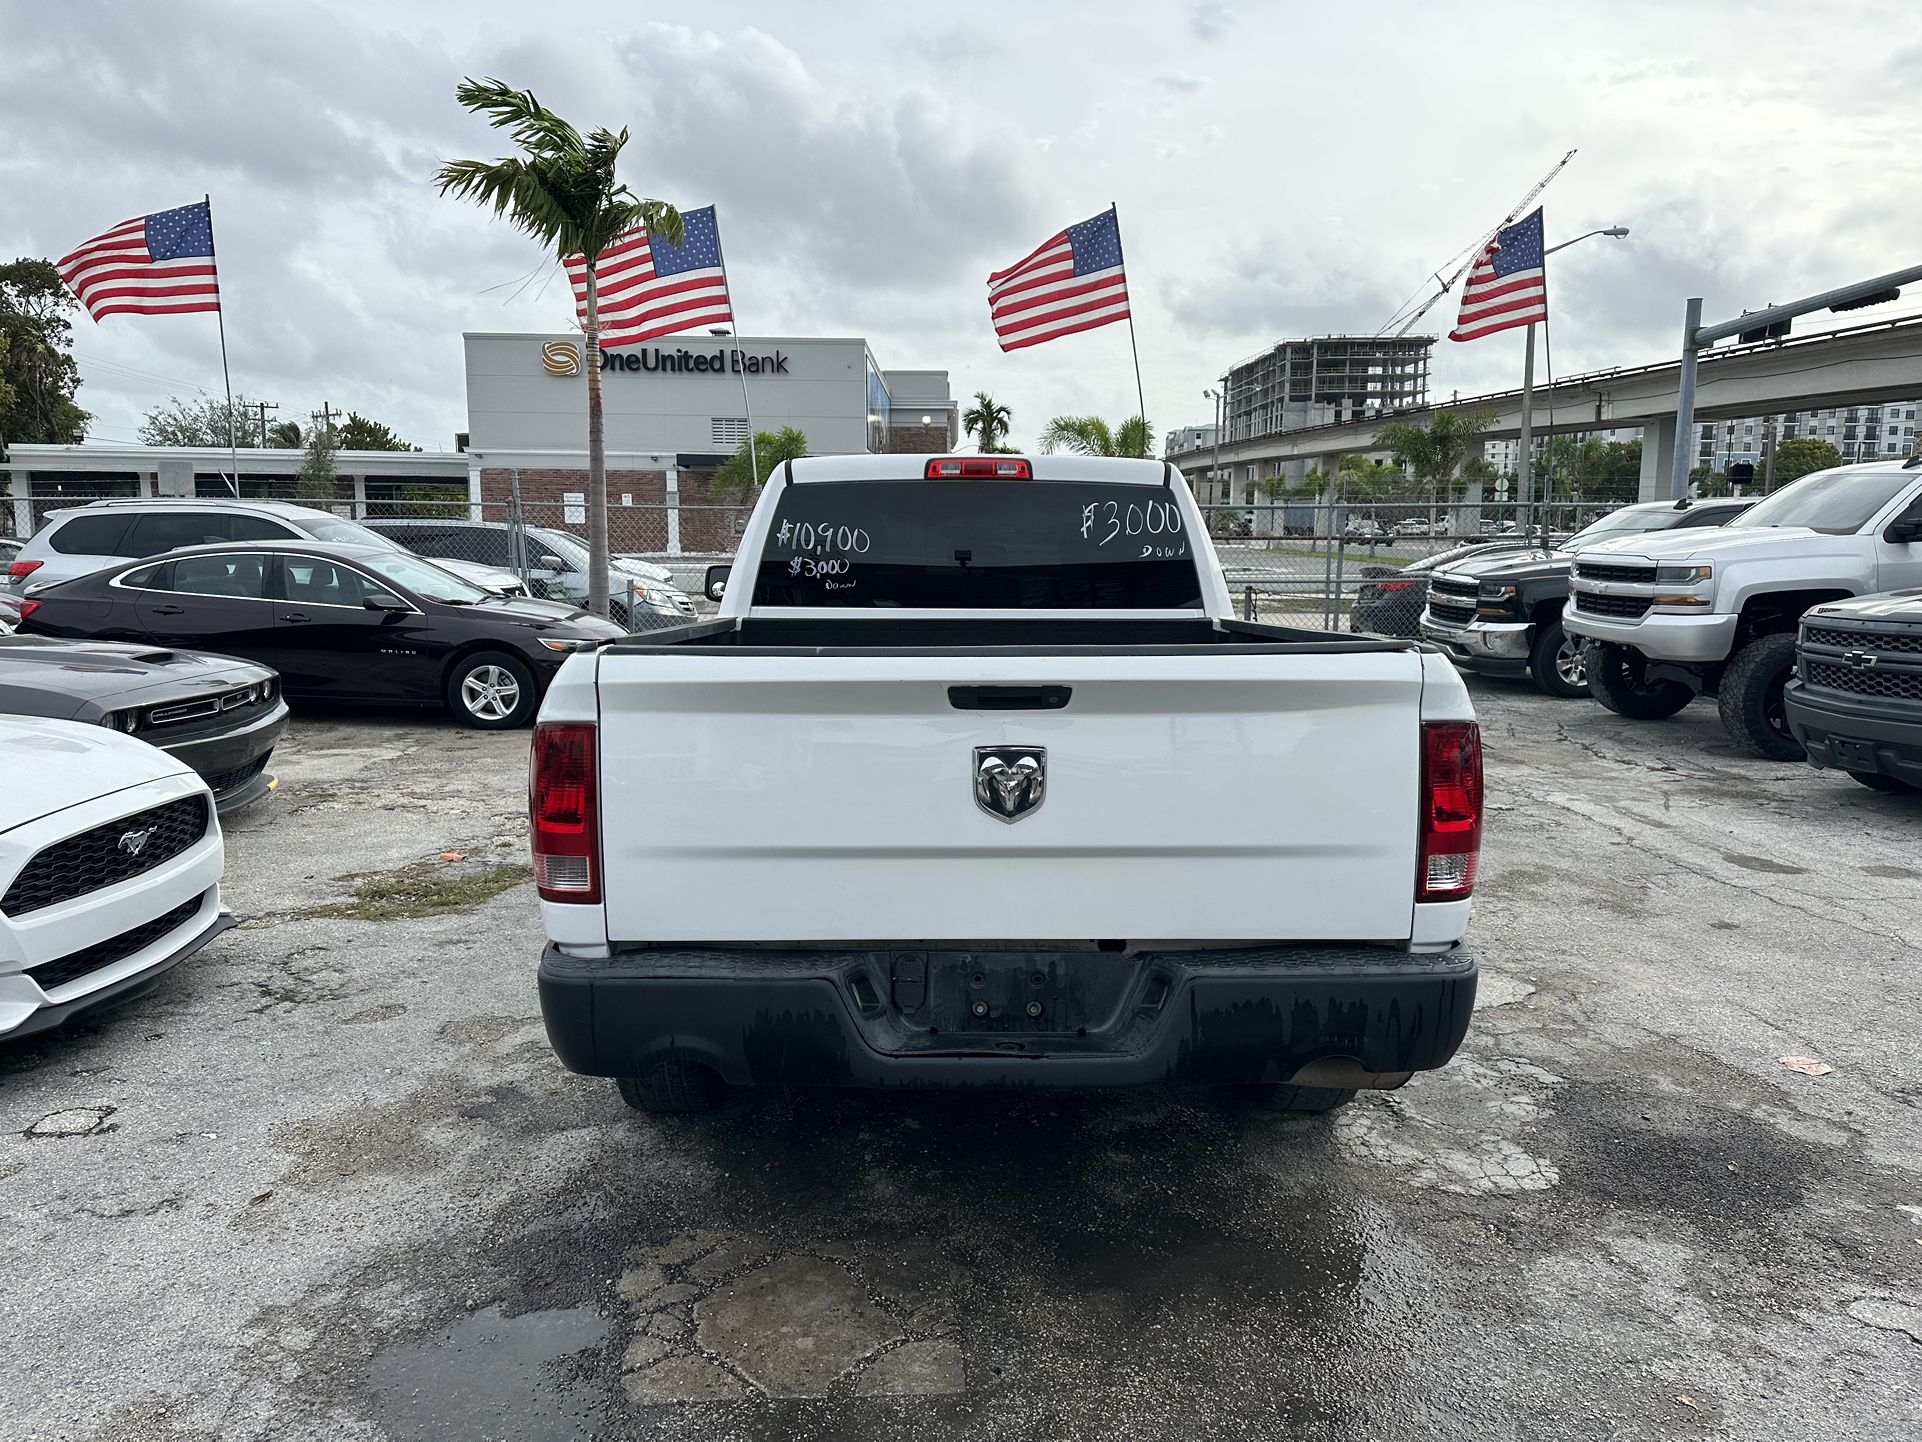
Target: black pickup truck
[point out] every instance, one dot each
(1501, 615)
(1855, 702)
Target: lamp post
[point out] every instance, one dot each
(1214, 473)
(1525, 464)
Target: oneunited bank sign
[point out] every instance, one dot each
(563, 358)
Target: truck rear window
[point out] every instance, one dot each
(978, 544)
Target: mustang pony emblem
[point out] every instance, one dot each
(1010, 782)
(134, 842)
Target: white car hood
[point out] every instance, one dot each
(51, 765)
(1723, 543)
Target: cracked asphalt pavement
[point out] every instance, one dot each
(327, 1181)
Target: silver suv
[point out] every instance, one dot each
(640, 594)
(90, 538)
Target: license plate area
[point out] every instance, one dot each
(1013, 994)
(1853, 755)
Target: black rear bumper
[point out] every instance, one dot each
(1852, 736)
(893, 1018)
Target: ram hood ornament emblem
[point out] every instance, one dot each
(1010, 782)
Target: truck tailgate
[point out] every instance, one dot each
(831, 798)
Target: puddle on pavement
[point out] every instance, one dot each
(490, 1375)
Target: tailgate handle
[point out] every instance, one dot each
(1009, 698)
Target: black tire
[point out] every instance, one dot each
(492, 691)
(1558, 664)
(1887, 785)
(1750, 698)
(1275, 1097)
(674, 1086)
(1615, 679)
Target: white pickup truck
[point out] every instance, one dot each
(1675, 614)
(976, 781)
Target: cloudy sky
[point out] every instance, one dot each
(1282, 169)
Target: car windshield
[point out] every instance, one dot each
(425, 579)
(1837, 503)
(349, 533)
(1622, 523)
(561, 544)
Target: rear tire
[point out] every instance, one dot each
(1558, 664)
(1887, 785)
(1616, 680)
(1750, 698)
(1287, 1097)
(492, 691)
(674, 1087)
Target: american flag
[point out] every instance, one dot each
(1073, 282)
(650, 288)
(1506, 288)
(159, 264)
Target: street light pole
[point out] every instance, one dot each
(1525, 465)
(1214, 474)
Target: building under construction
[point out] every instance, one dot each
(1327, 379)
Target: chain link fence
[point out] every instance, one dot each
(1329, 566)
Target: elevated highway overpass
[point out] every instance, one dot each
(1861, 365)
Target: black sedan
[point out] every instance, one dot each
(340, 623)
(220, 716)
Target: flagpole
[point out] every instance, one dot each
(220, 315)
(753, 459)
(1140, 399)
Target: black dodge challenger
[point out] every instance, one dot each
(219, 715)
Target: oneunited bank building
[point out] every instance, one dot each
(674, 410)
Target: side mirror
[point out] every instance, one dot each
(385, 601)
(550, 563)
(717, 582)
(1905, 527)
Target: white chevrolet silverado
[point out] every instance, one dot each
(976, 781)
(1677, 614)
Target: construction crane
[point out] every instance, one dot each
(1474, 252)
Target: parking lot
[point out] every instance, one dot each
(1617, 1215)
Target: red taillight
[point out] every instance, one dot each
(20, 570)
(27, 608)
(1393, 585)
(979, 468)
(561, 803)
(1451, 810)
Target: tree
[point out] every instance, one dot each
(38, 376)
(285, 435)
(988, 419)
(315, 483)
(562, 191)
(1092, 436)
(736, 479)
(357, 433)
(202, 422)
(1435, 452)
(1799, 455)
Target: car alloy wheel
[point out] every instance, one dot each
(1570, 662)
(492, 693)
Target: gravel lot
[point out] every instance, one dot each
(339, 1189)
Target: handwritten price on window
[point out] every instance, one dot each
(1105, 521)
(823, 538)
(811, 567)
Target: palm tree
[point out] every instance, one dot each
(735, 478)
(1092, 436)
(562, 191)
(988, 418)
(1434, 452)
